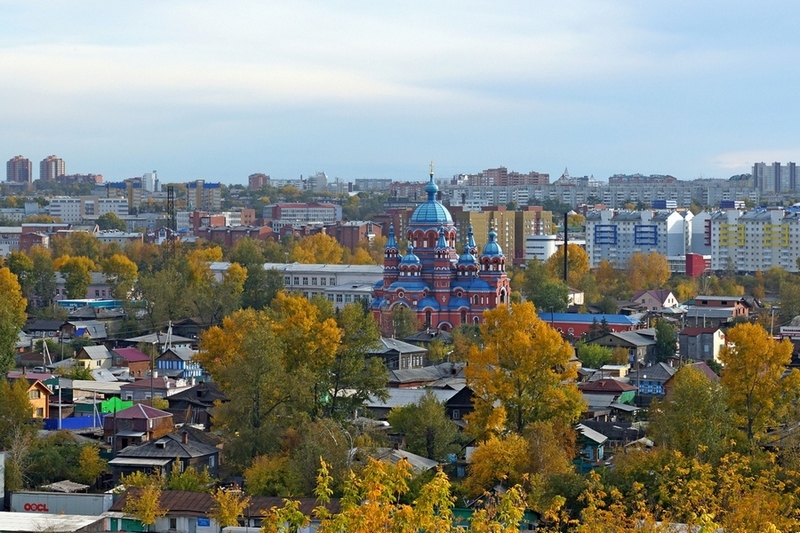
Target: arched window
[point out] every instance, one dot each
(502, 297)
(428, 318)
(463, 316)
(475, 320)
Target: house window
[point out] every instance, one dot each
(348, 298)
(297, 280)
(456, 414)
(173, 523)
(305, 280)
(338, 298)
(313, 281)
(333, 282)
(287, 280)
(211, 461)
(110, 440)
(97, 293)
(323, 281)
(34, 394)
(40, 412)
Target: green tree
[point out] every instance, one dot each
(540, 288)
(521, 375)
(191, 479)
(272, 475)
(404, 322)
(760, 389)
(593, 355)
(695, 419)
(43, 279)
(110, 221)
(666, 341)
(15, 412)
(353, 376)
(12, 317)
(22, 267)
(261, 287)
(426, 428)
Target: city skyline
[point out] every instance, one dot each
(203, 90)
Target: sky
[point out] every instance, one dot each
(363, 89)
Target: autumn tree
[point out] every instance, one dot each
(76, 244)
(211, 299)
(272, 475)
(426, 428)
(42, 279)
(190, 479)
(12, 317)
(228, 505)
(162, 297)
(522, 374)
(759, 389)
(647, 271)
(317, 248)
(78, 273)
(694, 420)
(144, 502)
(121, 274)
(498, 460)
(577, 264)
(90, 465)
(15, 411)
(593, 355)
(608, 277)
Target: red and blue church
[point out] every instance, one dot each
(444, 289)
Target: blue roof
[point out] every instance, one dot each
(431, 212)
(428, 301)
(391, 242)
(586, 318)
(408, 285)
(467, 259)
(457, 302)
(410, 258)
(492, 249)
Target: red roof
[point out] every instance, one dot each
(140, 411)
(132, 355)
(606, 385)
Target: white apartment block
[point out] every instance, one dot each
(616, 235)
(72, 210)
(754, 240)
(539, 247)
(302, 214)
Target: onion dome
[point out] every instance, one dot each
(472, 247)
(391, 243)
(492, 248)
(467, 260)
(410, 259)
(431, 212)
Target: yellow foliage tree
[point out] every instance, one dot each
(760, 391)
(121, 274)
(12, 317)
(228, 506)
(521, 375)
(577, 264)
(498, 460)
(647, 271)
(317, 248)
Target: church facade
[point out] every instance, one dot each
(443, 289)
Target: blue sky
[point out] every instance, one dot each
(219, 90)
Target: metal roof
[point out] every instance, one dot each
(403, 397)
(138, 461)
(35, 522)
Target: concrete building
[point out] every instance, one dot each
(19, 170)
(205, 196)
(616, 235)
(51, 167)
(296, 214)
(540, 247)
(74, 210)
(775, 178)
(256, 181)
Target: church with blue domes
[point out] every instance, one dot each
(444, 289)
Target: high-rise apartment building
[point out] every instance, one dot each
(74, 210)
(256, 181)
(775, 178)
(616, 235)
(18, 170)
(205, 196)
(51, 167)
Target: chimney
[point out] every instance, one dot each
(185, 437)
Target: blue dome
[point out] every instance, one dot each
(410, 258)
(431, 212)
(467, 259)
(492, 249)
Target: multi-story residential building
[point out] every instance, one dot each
(616, 236)
(63, 179)
(19, 170)
(290, 214)
(747, 241)
(540, 247)
(373, 184)
(51, 167)
(130, 189)
(503, 178)
(202, 195)
(775, 178)
(512, 227)
(9, 239)
(350, 234)
(256, 181)
(73, 210)
(119, 237)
